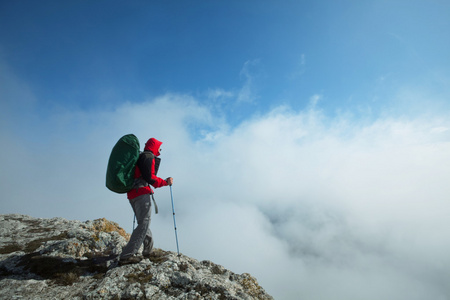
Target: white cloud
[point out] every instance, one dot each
(248, 92)
(218, 94)
(438, 130)
(315, 208)
(314, 100)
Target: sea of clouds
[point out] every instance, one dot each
(315, 206)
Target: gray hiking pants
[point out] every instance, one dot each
(142, 234)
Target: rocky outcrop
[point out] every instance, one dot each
(61, 259)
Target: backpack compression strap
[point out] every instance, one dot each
(154, 202)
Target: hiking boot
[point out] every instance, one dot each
(147, 254)
(130, 260)
(148, 246)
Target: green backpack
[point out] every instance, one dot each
(122, 163)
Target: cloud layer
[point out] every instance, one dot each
(315, 207)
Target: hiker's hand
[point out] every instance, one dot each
(169, 181)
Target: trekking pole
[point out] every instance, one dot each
(174, 222)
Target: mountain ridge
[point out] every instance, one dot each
(62, 259)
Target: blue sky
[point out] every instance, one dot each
(312, 137)
(95, 55)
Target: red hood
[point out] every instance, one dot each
(153, 145)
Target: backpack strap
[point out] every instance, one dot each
(156, 206)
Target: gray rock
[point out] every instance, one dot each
(62, 259)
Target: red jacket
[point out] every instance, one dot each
(146, 170)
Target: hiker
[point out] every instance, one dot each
(139, 197)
